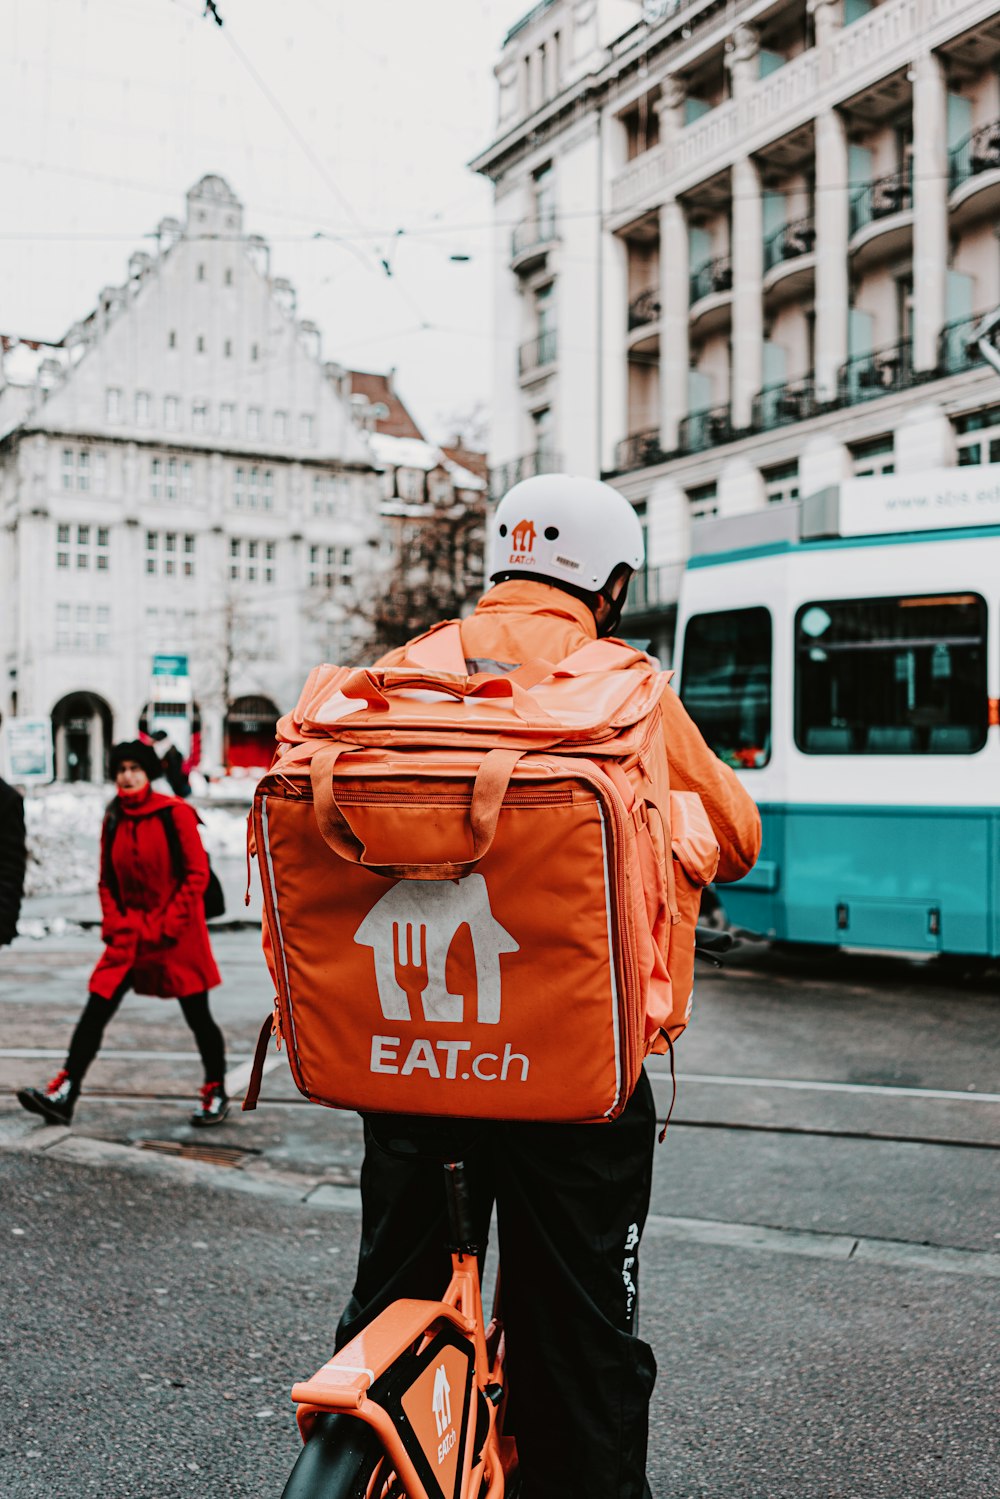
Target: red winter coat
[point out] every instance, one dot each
(160, 938)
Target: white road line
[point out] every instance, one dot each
(238, 1077)
(800, 1085)
(107, 1054)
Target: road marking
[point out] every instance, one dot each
(236, 1078)
(107, 1054)
(801, 1085)
(843, 1247)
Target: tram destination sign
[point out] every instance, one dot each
(935, 500)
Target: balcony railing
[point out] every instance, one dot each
(643, 309)
(714, 276)
(700, 430)
(537, 352)
(533, 235)
(639, 450)
(958, 348)
(506, 475)
(653, 588)
(780, 405)
(788, 242)
(979, 152)
(867, 376)
(879, 199)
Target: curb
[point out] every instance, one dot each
(27, 1137)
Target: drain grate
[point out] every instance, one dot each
(215, 1155)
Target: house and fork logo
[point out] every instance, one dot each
(410, 931)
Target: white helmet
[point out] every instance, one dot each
(565, 530)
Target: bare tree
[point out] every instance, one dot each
(431, 569)
(231, 642)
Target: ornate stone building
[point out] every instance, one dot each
(742, 249)
(180, 475)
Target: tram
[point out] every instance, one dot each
(843, 655)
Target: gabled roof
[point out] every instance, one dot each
(377, 390)
(467, 458)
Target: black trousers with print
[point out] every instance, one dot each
(571, 1204)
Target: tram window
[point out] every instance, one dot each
(895, 676)
(726, 683)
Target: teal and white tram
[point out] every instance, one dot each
(850, 671)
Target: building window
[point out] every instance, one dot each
(156, 479)
(227, 417)
(877, 456)
(63, 635)
(143, 407)
(410, 483)
(62, 546)
(201, 270)
(228, 277)
(703, 502)
(891, 676)
(238, 486)
(199, 344)
(171, 411)
(170, 488)
(68, 468)
(252, 488)
(253, 421)
(199, 416)
(227, 349)
(186, 481)
(726, 683)
(280, 426)
(267, 493)
(305, 428)
(171, 339)
(978, 437)
(254, 352)
(781, 483)
(113, 404)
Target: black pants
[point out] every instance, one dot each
(571, 1205)
(89, 1034)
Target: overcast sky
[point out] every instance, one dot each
(351, 119)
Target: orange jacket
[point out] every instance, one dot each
(522, 621)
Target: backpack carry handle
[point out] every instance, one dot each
(373, 685)
(489, 789)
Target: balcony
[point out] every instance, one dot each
(506, 475)
(531, 241)
(711, 294)
(974, 176)
(790, 260)
(701, 430)
(958, 348)
(881, 218)
(536, 356)
(880, 373)
(639, 450)
(781, 405)
(644, 309)
(653, 590)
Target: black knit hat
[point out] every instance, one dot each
(144, 756)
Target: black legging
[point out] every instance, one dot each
(89, 1033)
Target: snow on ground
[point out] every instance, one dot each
(64, 828)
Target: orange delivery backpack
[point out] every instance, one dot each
(469, 910)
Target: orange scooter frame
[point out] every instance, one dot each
(427, 1377)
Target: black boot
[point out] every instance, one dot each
(214, 1105)
(54, 1102)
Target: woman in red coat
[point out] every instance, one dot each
(152, 887)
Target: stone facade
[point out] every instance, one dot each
(741, 251)
(182, 473)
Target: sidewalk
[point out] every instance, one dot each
(44, 914)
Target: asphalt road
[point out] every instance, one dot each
(820, 1278)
